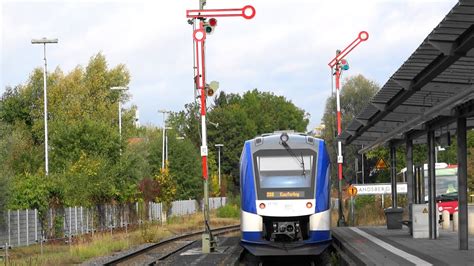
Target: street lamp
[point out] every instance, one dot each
(219, 162)
(44, 41)
(164, 112)
(120, 113)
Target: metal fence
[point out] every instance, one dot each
(24, 227)
(21, 228)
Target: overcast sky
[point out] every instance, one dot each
(284, 49)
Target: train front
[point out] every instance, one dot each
(285, 186)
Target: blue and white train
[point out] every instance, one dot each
(285, 195)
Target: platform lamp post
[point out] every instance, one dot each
(338, 64)
(164, 112)
(120, 89)
(45, 41)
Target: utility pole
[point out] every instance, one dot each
(338, 64)
(120, 113)
(164, 112)
(166, 148)
(201, 28)
(219, 162)
(363, 168)
(44, 41)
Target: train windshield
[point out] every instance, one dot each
(446, 181)
(285, 171)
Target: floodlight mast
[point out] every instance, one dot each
(197, 18)
(335, 65)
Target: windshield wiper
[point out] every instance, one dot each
(302, 164)
(290, 151)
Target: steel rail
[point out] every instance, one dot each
(124, 258)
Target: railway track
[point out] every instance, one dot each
(159, 251)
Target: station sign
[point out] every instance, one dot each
(380, 188)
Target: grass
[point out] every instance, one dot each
(229, 211)
(101, 244)
(368, 212)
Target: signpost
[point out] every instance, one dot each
(352, 191)
(202, 28)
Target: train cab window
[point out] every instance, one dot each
(281, 175)
(284, 171)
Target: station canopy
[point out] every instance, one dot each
(428, 92)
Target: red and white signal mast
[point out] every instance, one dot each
(338, 64)
(202, 28)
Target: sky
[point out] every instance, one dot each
(284, 49)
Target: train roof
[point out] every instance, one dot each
(289, 132)
(276, 136)
(438, 167)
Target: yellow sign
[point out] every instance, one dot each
(425, 210)
(352, 191)
(381, 165)
(285, 194)
(289, 195)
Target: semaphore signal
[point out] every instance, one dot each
(204, 27)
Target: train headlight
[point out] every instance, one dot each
(309, 205)
(284, 137)
(262, 205)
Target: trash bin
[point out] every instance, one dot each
(394, 218)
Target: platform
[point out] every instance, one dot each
(227, 253)
(379, 246)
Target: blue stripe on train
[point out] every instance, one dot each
(317, 236)
(252, 236)
(322, 179)
(248, 181)
(314, 236)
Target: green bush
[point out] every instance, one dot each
(233, 200)
(228, 211)
(58, 226)
(364, 200)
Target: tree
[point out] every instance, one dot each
(31, 191)
(5, 171)
(83, 136)
(168, 188)
(356, 92)
(149, 188)
(88, 181)
(185, 165)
